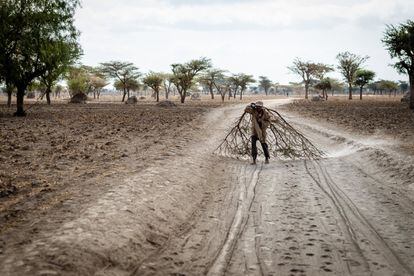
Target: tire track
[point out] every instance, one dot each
(246, 198)
(349, 229)
(355, 221)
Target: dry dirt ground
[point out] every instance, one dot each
(373, 116)
(185, 211)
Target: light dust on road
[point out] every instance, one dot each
(341, 215)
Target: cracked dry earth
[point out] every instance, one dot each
(350, 213)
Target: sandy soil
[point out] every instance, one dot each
(194, 213)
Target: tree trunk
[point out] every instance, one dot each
(412, 91)
(241, 94)
(98, 93)
(157, 92)
(20, 99)
(182, 98)
(211, 92)
(9, 97)
(128, 93)
(48, 90)
(123, 97)
(9, 89)
(360, 92)
(222, 97)
(306, 91)
(350, 91)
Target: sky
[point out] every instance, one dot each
(261, 37)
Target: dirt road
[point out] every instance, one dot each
(351, 213)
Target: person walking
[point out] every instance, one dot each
(260, 123)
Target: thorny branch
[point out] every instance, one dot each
(284, 141)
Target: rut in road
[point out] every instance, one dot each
(356, 222)
(246, 197)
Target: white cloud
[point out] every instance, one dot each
(258, 37)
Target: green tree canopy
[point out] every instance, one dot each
(349, 64)
(123, 72)
(324, 85)
(30, 31)
(78, 80)
(265, 83)
(362, 78)
(184, 74)
(243, 80)
(308, 71)
(399, 41)
(61, 56)
(210, 77)
(154, 81)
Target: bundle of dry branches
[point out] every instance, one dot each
(283, 140)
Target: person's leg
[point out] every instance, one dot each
(254, 148)
(265, 148)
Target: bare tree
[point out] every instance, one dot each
(349, 64)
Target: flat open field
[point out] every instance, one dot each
(111, 189)
(58, 147)
(371, 116)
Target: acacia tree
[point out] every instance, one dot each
(243, 80)
(363, 77)
(209, 78)
(387, 85)
(349, 64)
(28, 29)
(265, 84)
(223, 85)
(97, 83)
(399, 41)
(124, 72)
(336, 85)
(184, 74)
(154, 81)
(306, 70)
(324, 85)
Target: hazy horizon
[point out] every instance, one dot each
(254, 37)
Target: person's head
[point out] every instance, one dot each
(259, 105)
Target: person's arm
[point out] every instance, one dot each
(249, 109)
(267, 119)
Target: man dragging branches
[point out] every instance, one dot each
(261, 120)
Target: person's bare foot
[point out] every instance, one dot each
(253, 163)
(267, 161)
